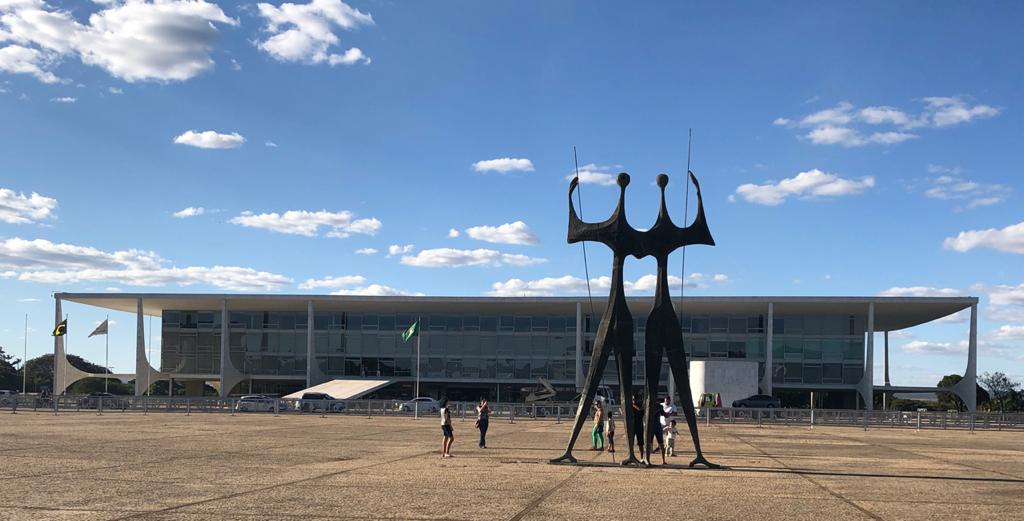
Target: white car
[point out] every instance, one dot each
(425, 405)
(258, 403)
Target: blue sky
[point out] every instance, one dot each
(842, 150)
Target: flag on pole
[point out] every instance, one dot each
(61, 328)
(100, 329)
(413, 330)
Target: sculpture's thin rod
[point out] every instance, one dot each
(579, 199)
(686, 221)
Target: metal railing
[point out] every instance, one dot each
(510, 412)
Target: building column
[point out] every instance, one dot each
(58, 349)
(885, 395)
(967, 388)
(766, 381)
(229, 375)
(579, 347)
(867, 382)
(310, 355)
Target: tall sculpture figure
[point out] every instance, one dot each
(663, 332)
(616, 329)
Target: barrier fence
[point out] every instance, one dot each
(510, 412)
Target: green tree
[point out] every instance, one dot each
(40, 376)
(10, 376)
(948, 400)
(1005, 393)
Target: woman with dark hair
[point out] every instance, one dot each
(483, 415)
(446, 430)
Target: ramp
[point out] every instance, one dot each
(343, 389)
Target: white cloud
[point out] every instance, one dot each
(805, 185)
(920, 291)
(191, 211)
(304, 33)
(453, 258)
(210, 139)
(47, 262)
(504, 165)
(333, 282)
(1010, 332)
(949, 111)
(933, 348)
(951, 186)
(64, 99)
(270, 144)
(16, 208)
(302, 222)
(1003, 294)
(844, 124)
(138, 40)
(569, 284)
(28, 300)
(377, 290)
(115, 90)
(509, 233)
(367, 251)
(453, 233)
(23, 60)
(1009, 239)
(591, 174)
(398, 249)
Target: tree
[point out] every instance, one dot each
(40, 376)
(10, 376)
(948, 400)
(1005, 393)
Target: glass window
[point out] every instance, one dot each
(812, 373)
(386, 322)
(737, 325)
(287, 342)
(684, 323)
(698, 348)
(793, 349)
(320, 321)
(505, 368)
(402, 322)
(369, 367)
(539, 324)
(371, 322)
(719, 324)
(832, 373)
(522, 324)
(812, 350)
(453, 368)
(506, 324)
(755, 324)
(435, 367)
(488, 323)
(471, 368)
(832, 349)
(488, 368)
(386, 343)
(471, 344)
(505, 346)
(539, 346)
(794, 372)
(522, 369)
(852, 374)
(453, 323)
(778, 326)
(488, 344)
(557, 324)
(719, 349)
(453, 344)
(471, 323)
(435, 343)
(755, 348)
(404, 366)
(387, 366)
(171, 318)
(854, 350)
(699, 325)
(521, 346)
(353, 367)
(301, 321)
(814, 325)
(348, 321)
(354, 342)
(737, 349)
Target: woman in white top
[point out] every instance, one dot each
(446, 430)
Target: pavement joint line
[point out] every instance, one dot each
(278, 485)
(547, 493)
(182, 458)
(832, 493)
(935, 458)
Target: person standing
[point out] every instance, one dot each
(609, 431)
(598, 433)
(670, 412)
(446, 430)
(483, 415)
(658, 435)
(671, 432)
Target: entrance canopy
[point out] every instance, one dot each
(343, 389)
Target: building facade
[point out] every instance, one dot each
(498, 346)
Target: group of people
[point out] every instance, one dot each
(483, 418)
(604, 427)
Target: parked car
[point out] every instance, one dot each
(259, 403)
(8, 398)
(109, 401)
(425, 405)
(758, 401)
(319, 402)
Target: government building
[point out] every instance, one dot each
(500, 347)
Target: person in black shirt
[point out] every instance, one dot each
(638, 423)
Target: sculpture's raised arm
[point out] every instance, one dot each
(698, 232)
(584, 231)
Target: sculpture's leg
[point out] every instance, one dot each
(677, 361)
(598, 361)
(623, 335)
(652, 366)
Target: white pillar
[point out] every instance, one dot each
(967, 388)
(867, 383)
(229, 375)
(766, 382)
(143, 374)
(310, 355)
(579, 347)
(58, 349)
(885, 395)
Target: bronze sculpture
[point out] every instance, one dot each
(615, 331)
(663, 332)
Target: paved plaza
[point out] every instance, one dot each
(216, 466)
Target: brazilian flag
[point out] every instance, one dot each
(413, 330)
(61, 328)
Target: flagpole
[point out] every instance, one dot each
(24, 363)
(66, 359)
(417, 392)
(106, 354)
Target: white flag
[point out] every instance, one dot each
(100, 329)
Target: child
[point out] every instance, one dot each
(609, 431)
(670, 437)
(446, 430)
